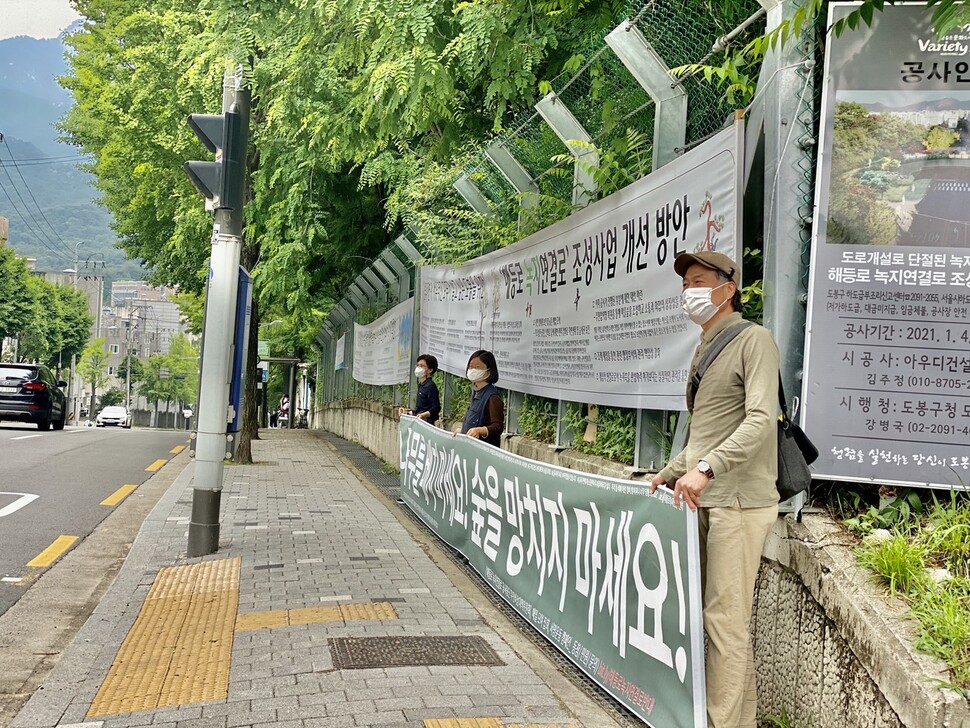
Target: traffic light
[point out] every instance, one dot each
(221, 181)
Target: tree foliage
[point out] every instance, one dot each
(17, 305)
(50, 321)
(92, 367)
(60, 325)
(171, 377)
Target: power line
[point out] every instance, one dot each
(37, 161)
(46, 242)
(29, 192)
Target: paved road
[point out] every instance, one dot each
(52, 485)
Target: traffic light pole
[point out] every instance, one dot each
(211, 444)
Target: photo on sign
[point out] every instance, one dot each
(900, 169)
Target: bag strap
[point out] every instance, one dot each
(716, 347)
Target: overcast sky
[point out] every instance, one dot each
(37, 18)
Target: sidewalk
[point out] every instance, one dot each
(324, 606)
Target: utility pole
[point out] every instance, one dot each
(74, 382)
(222, 182)
(128, 362)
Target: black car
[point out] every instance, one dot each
(29, 393)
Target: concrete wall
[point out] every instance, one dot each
(371, 424)
(831, 648)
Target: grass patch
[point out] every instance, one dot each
(782, 720)
(932, 537)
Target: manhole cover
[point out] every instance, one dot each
(357, 653)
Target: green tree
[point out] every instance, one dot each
(183, 363)
(939, 137)
(74, 324)
(156, 383)
(17, 296)
(115, 395)
(60, 325)
(92, 367)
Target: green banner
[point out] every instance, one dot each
(609, 574)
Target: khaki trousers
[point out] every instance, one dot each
(731, 541)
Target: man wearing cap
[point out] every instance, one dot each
(727, 472)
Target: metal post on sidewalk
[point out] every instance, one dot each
(228, 177)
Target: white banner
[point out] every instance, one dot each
(382, 349)
(340, 353)
(589, 309)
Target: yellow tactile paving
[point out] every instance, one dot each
(250, 621)
(463, 723)
(313, 615)
(119, 495)
(262, 620)
(179, 647)
(368, 610)
(53, 552)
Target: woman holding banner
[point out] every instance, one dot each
(485, 418)
(427, 404)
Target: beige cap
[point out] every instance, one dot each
(709, 259)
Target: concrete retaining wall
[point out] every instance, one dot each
(831, 648)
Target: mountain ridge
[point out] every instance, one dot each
(50, 185)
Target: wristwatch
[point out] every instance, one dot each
(705, 468)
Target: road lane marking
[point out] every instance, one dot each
(25, 437)
(177, 449)
(11, 580)
(53, 552)
(119, 495)
(155, 466)
(23, 500)
(178, 650)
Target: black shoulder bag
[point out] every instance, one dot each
(795, 451)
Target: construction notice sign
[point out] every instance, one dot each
(887, 385)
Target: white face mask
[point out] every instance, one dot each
(698, 305)
(476, 375)
(419, 372)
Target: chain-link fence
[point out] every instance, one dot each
(618, 115)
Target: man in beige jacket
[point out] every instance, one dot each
(727, 472)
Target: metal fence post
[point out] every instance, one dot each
(580, 144)
(471, 194)
(788, 102)
(670, 100)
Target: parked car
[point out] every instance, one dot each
(115, 415)
(30, 393)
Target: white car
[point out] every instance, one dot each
(114, 415)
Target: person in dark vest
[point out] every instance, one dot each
(427, 406)
(485, 418)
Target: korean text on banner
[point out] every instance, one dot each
(589, 309)
(887, 384)
(382, 349)
(609, 574)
